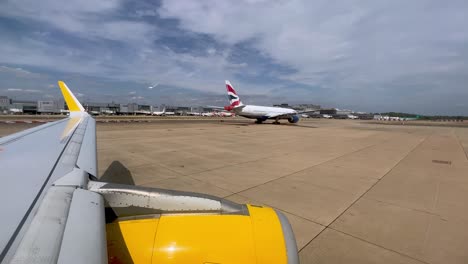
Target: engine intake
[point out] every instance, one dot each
(293, 119)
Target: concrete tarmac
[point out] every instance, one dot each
(354, 192)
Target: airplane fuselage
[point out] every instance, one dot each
(264, 112)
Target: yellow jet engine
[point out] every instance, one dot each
(149, 225)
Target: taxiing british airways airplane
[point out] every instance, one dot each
(261, 113)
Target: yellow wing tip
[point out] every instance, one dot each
(70, 99)
(63, 87)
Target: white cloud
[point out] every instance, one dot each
(211, 51)
(139, 59)
(337, 44)
(23, 90)
(18, 72)
(84, 18)
(10, 69)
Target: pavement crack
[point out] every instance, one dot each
(379, 246)
(403, 207)
(461, 145)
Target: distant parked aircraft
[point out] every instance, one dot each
(107, 112)
(225, 114)
(208, 114)
(160, 113)
(15, 110)
(192, 113)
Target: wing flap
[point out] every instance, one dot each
(87, 160)
(46, 231)
(84, 239)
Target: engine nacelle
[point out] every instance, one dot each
(152, 225)
(293, 119)
(262, 235)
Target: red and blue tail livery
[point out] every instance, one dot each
(234, 99)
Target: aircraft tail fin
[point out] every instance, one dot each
(234, 99)
(72, 103)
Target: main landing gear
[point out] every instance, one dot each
(259, 121)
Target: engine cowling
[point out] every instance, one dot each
(152, 225)
(293, 119)
(263, 235)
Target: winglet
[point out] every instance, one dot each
(72, 103)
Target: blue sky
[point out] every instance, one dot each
(365, 55)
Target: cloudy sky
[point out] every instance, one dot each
(370, 55)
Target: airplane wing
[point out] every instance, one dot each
(224, 108)
(42, 169)
(280, 115)
(54, 210)
(215, 107)
(291, 117)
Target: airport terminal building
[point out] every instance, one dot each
(13, 106)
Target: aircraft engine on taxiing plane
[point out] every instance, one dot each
(293, 119)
